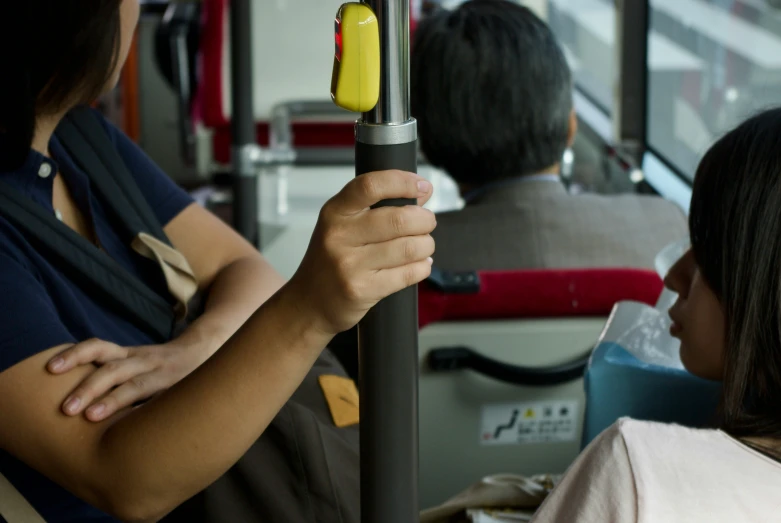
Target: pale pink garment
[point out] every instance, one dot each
(645, 472)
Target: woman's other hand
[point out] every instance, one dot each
(359, 255)
(123, 375)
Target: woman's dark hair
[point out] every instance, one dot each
(491, 90)
(52, 53)
(735, 227)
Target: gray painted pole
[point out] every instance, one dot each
(386, 138)
(244, 150)
(631, 78)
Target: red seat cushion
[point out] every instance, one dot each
(541, 293)
(213, 35)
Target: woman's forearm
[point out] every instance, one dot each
(166, 451)
(235, 294)
(143, 462)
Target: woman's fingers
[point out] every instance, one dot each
(370, 188)
(359, 255)
(138, 388)
(423, 200)
(393, 280)
(103, 380)
(400, 252)
(386, 223)
(90, 351)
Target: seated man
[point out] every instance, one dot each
(492, 94)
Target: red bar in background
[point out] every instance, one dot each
(129, 85)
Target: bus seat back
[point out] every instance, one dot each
(532, 319)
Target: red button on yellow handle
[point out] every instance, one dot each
(355, 82)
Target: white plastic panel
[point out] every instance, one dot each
(453, 450)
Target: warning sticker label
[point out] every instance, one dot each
(540, 422)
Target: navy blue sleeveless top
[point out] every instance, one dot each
(40, 308)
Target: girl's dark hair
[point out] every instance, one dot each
(735, 227)
(52, 53)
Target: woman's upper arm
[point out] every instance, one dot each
(207, 242)
(599, 487)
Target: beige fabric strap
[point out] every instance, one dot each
(13, 507)
(181, 281)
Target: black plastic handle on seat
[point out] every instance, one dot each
(459, 358)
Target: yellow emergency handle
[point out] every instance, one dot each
(355, 82)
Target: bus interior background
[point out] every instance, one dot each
(649, 103)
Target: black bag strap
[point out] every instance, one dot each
(88, 265)
(85, 138)
(83, 134)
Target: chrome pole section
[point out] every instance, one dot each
(386, 138)
(244, 150)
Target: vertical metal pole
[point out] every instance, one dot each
(386, 138)
(244, 150)
(631, 76)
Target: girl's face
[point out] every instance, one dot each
(698, 320)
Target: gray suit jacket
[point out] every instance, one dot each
(537, 224)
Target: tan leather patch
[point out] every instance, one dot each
(341, 394)
(180, 278)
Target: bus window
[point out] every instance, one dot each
(586, 32)
(721, 63)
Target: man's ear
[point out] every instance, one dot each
(573, 127)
